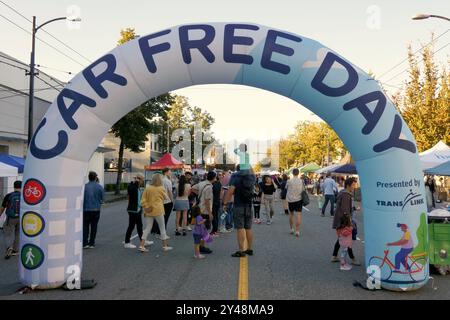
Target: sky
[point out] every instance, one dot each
(371, 34)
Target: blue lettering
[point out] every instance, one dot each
(372, 118)
(230, 40)
(325, 67)
(148, 51)
(61, 145)
(271, 46)
(393, 141)
(108, 75)
(201, 44)
(78, 100)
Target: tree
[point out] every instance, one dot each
(181, 115)
(311, 142)
(133, 129)
(424, 100)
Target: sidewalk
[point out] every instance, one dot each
(111, 197)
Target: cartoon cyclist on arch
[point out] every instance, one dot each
(407, 245)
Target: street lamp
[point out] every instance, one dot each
(32, 73)
(422, 16)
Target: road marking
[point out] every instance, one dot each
(243, 279)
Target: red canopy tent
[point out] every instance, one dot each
(166, 161)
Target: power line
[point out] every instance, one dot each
(417, 51)
(14, 66)
(48, 44)
(63, 43)
(50, 68)
(54, 87)
(419, 62)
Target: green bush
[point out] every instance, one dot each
(112, 186)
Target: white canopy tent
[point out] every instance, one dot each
(8, 171)
(435, 156)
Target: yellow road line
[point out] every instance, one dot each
(243, 279)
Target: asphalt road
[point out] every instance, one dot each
(283, 267)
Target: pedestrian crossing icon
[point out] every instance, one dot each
(32, 256)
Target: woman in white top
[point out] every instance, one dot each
(181, 205)
(295, 187)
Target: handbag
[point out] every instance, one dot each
(305, 197)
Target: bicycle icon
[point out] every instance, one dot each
(33, 191)
(416, 266)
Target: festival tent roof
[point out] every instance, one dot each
(327, 169)
(309, 167)
(8, 171)
(345, 169)
(435, 156)
(440, 170)
(166, 161)
(13, 161)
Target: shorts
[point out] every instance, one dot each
(181, 205)
(295, 206)
(197, 238)
(243, 217)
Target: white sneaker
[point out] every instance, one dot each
(346, 267)
(148, 243)
(292, 231)
(188, 228)
(143, 249)
(297, 234)
(167, 248)
(200, 256)
(129, 246)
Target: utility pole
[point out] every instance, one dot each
(31, 74)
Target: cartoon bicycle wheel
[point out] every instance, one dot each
(385, 269)
(418, 269)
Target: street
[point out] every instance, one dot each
(283, 267)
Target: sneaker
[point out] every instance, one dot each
(8, 254)
(15, 253)
(143, 249)
(92, 247)
(269, 222)
(184, 233)
(345, 267)
(167, 248)
(356, 262)
(177, 233)
(205, 250)
(200, 256)
(86, 247)
(335, 259)
(259, 221)
(223, 230)
(292, 231)
(189, 228)
(297, 234)
(129, 246)
(148, 243)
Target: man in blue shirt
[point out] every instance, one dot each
(329, 189)
(93, 199)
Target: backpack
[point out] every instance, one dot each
(13, 206)
(246, 188)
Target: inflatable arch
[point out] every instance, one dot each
(225, 53)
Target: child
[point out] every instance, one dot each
(344, 232)
(257, 202)
(198, 231)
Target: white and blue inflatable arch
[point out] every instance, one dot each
(222, 53)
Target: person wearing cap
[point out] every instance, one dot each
(11, 207)
(407, 245)
(135, 190)
(94, 196)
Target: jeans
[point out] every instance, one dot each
(337, 246)
(134, 219)
(330, 198)
(90, 222)
(229, 223)
(216, 217)
(149, 224)
(167, 211)
(12, 233)
(401, 256)
(268, 205)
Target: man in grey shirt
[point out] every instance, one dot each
(329, 189)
